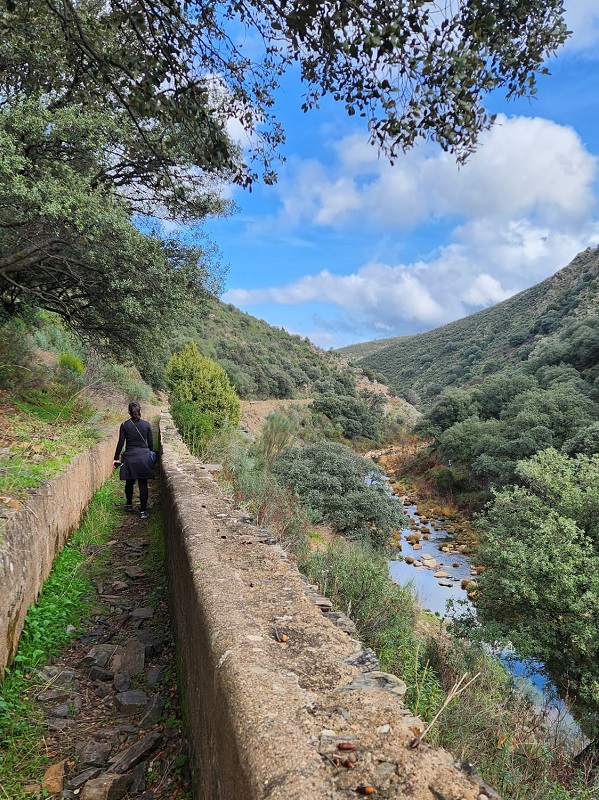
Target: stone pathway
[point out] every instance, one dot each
(114, 728)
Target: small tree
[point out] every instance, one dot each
(192, 377)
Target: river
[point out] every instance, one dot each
(433, 594)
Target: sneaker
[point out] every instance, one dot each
(128, 507)
(143, 515)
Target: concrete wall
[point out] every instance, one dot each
(31, 538)
(266, 716)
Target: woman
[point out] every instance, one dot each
(136, 462)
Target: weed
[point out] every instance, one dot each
(61, 603)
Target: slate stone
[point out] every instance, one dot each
(60, 725)
(94, 754)
(61, 711)
(52, 695)
(57, 676)
(365, 659)
(151, 641)
(371, 681)
(132, 702)
(153, 712)
(142, 613)
(154, 675)
(122, 681)
(103, 689)
(77, 781)
(100, 674)
(138, 784)
(129, 758)
(107, 787)
(133, 658)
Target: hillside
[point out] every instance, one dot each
(260, 360)
(465, 351)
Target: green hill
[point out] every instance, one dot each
(260, 360)
(465, 351)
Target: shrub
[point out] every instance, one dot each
(15, 354)
(70, 362)
(191, 377)
(195, 426)
(331, 479)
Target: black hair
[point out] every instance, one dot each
(134, 410)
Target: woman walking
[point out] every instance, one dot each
(136, 462)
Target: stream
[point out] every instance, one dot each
(434, 592)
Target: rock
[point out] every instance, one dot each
(94, 754)
(142, 613)
(341, 621)
(133, 658)
(416, 547)
(119, 586)
(61, 725)
(107, 787)
(77, 781)
(370, 681)
(408, 559)
(153, 712)
(100, 674)
(57, 676)
(318, 600)
(417, 563)
(61, 711)
(442, 574)
(384, 769)
(103, 689)
(122, 681)
(154, 675)
(135, 572)
(366, 660)
(52, 695)
(152, 642)
(99, 656)
(128, 758)
(132, 702)
(139, 778)
(53, 780)
(448, 584)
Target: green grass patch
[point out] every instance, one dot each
(38, 450)
(65, 600)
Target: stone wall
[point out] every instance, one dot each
(281, 700)
(31, 538)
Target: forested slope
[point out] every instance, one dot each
(465, 351)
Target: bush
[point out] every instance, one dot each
(331, 479)
(191, 377)
(16, 354)
(195, 426)
(71, 363)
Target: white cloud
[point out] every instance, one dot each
(582, 18)
(523, 166)
(481, 266)
(521, 208)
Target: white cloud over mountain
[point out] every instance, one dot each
(521, 208)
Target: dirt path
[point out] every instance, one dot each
(111, 702)
(254, 412)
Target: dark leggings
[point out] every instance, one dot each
(143, 492)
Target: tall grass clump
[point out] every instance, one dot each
(356, 578)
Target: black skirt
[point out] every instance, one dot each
(136, 463)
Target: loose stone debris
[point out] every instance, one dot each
(111, 702)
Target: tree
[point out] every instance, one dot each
(67, 241)
(412, 69)
(193, 378)
(540, 589)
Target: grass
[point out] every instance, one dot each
(35, 446)
(64, 601)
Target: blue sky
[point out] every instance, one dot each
(347, 248)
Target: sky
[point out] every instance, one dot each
(347, 248)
